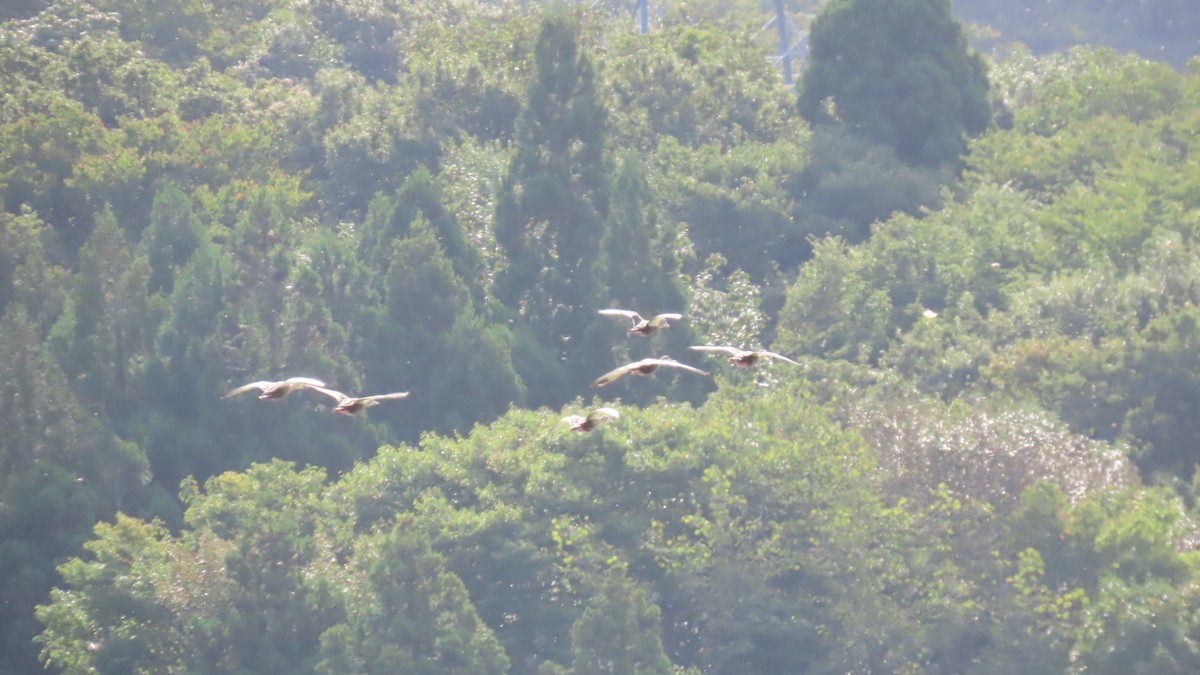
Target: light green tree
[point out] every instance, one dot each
(405, 612)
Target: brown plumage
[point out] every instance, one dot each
(277, 390)
(352, 405)
(643, 327)
(590, 421)
(643, 367)
(743, 358)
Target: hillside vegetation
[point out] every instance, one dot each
(982, 463)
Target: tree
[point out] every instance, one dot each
(171, 237)
(406, 613)
(619, 631)
(551, 208)
(27, 277)
(108, 324)
(637, 250)
(391, 218)
(899, 72)
(428, 338)
(62, 470)
(110, 619)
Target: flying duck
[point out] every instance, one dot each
(643, 367)
(643, 327)
(743, 358)
(277, 390)
(352, 405)
(590, 421)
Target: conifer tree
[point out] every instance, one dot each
(551, 208)
(430, 340)
(172, 235)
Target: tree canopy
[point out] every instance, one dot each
(978, 457)
(899, 73)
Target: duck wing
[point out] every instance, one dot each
(304, 382)
(627, 313)
(335, 395)
(615, 374)
(601, 413)
(660, 320)
(777, 357)
(672, 363)
(732, 351)
(261, 386)
(384, 397)
(573, 420)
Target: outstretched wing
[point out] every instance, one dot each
(384, 397)
(335, 395)
(732, 351)
(614, 374)
(600, 413)
(573, 420)
(305, 382)
(660, 320)
(672, 363)
(777, 357)
(261, 386)
(627, 313)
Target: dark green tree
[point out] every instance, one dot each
(180, 423)
(428, 338)
(106, 326)
(898, 72)
(171, 237)
(551, 208)
(62, 469)
(638, 260)
(389, 219)
(27, 277)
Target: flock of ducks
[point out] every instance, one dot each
(345, 404)
(642, 327)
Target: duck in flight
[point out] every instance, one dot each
(277, 390)
(352, 405)
(590, 421)
(643, 327)
(643, 367)
(744, 358)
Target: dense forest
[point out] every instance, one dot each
(986, 267)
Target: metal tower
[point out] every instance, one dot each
(791, 41)
(641, 9)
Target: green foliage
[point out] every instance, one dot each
(172, 236)
(918, 89)
(738, 202)
(406, 613)
(1140, 628)
(551, 207)
(981, 466)
(619, 631)
(432, 340)
(697, 85)
(851, 183)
